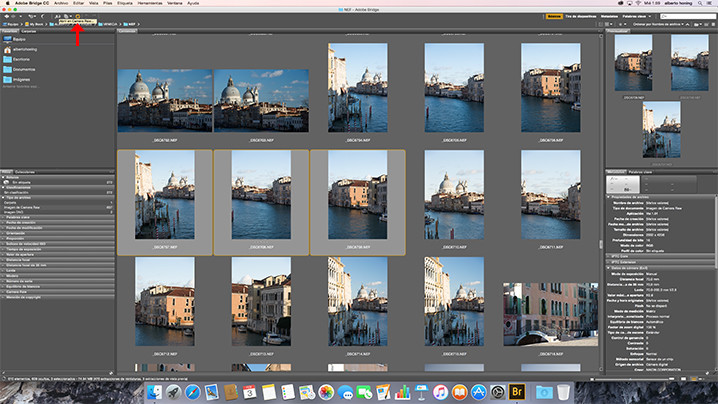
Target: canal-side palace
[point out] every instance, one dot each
(166, 306)
(568, 207)
(142, 108)
(237, 110)
(264, 306)
(641, 63)
(148, 210)
(456, 199)
(562, 84)
(360, 194)
(540, 312)
(280, 192)
(473, 90)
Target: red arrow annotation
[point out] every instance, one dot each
(77, 29)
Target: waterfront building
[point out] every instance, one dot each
(629, 62)
(268, 303)
(646, 62)
(339, 304)
(338, 88)
(167, 306)
(279, 193)
(282, 190)
(473, 90)
(142, 108)
(702, 60)
(574, 202)
(540, 312)
(541, 83)
(376, 194)
(144, 194)
(456, 199)
(239, 303)
(648, 125)
(349, 193)
(437, 301)
(568, 207)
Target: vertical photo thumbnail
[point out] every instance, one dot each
(358, 301)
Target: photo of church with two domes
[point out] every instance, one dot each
(153, 100)
(261, 100)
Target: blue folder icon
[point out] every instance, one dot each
(7, 69)
(7, 38)
(7, 59)
(6, 80)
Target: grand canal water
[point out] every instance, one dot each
(689, 79)
(471, 318)
(345, 223)
(453, 115)
(672, 141)
(150, 335)
(378, 122)
(184, 226)
(250, 338)
(372, 319)
(127, 128)
(260, 220)
(544, 115)
(630, 81)
(466, 226)
(546, 228)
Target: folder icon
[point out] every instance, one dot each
(6, 80)
(7, 59)
(7, 69)
(230, 392)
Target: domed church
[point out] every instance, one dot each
(231, 95)
(139, 90)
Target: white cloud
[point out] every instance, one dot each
(473, 283)
(300, 82)
(272, 74)
(376, 283)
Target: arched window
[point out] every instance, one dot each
(527, 307)
(543, 306)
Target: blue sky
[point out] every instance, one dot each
(164, 162)
(550, 171)
(356, 164)
(632, 44)
(257, 367)
(170, 271)
(454, 62)
(464, 165)
(244, 269)
(275, 85)
(689, 45)
(183, 83)
(359, 56)
(261, 167)
(467, 271)
(549, 55)
(661, 109)
(368, 271)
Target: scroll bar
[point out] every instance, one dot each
(715, 236)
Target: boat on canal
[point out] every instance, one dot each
(272, 339)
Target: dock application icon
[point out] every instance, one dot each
(382, 392)
(249, 392)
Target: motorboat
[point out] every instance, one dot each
(272, 339)
(188, 332)
(384, 217)
(364, 211)
(242, 328)
(428, 219)
(576, 106)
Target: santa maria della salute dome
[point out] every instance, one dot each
(231, 95)
(139, 90)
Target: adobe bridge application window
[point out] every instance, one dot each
(299, 195)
